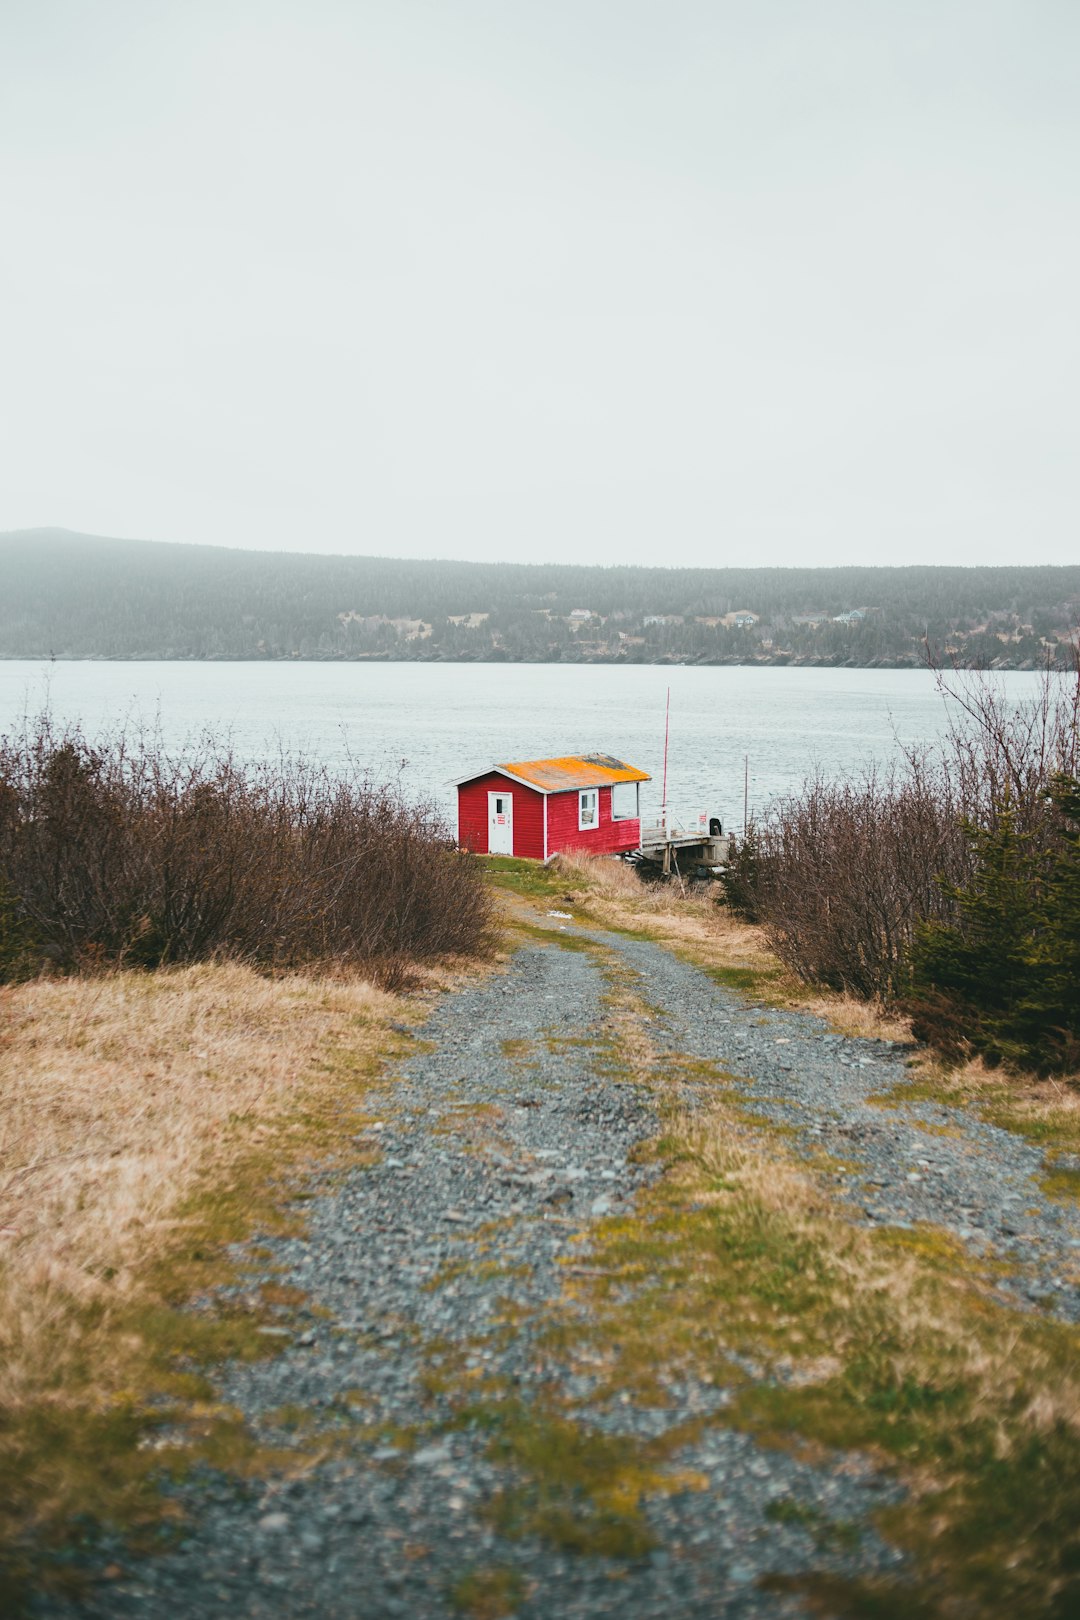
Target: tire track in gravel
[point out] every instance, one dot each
(437, 1395)
(906, 1161)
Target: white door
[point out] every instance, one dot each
(500, 824)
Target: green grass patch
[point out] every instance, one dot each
(824, 1531)
(490, 1593)
(1062, 1183)
(517, 1050)
(755, 983)
(565, 940)
(530, 879)
(577, 1488)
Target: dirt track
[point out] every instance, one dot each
(459, 1442)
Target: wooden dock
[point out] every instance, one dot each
(682, 852)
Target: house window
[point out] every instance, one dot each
(624, 801)
(589, 807)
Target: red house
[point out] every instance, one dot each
(537, 807)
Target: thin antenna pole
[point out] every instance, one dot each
(667, 727)
(745, 792)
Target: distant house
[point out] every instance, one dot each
(852, 616)
(536, 807)
(739, 618)
(409, 629)
(581, 614)
(662, 618)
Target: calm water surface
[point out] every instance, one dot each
(430, 723)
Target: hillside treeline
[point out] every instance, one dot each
(77, 596)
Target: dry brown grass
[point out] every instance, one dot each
(678, 912)
(975, 1077)
(599, 873)
(850, 1016)
(120, 1094)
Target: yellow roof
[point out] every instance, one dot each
(573, 771)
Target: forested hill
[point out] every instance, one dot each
(79, 596)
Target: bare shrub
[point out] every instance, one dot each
(1001, 753)
(844, 873)
(117, 853)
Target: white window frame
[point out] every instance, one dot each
(588, 798)
(626, 815)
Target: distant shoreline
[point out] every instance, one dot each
(87, 597)
(1026, 667)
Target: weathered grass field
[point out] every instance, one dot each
(148, 1118)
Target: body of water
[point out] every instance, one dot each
(431, 723)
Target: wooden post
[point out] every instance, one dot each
(667, 724)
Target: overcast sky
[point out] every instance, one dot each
(768, 281)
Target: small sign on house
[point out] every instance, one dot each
(537, 807)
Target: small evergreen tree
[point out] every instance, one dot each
(741, 879)
(14, 937)
(1049, 1014)
(1003, 978)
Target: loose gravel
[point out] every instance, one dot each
(910, 1162)
(501, 1140)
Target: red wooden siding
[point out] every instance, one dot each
(608, 837)
(528, 815)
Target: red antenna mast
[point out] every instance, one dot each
(667, 726)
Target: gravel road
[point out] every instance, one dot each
(919, 1161)
(501, 1139)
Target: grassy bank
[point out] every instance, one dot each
(149, 1120)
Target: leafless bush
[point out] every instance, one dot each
(1001, 752)
(843, 873)
(119, 853)
(846, 870)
